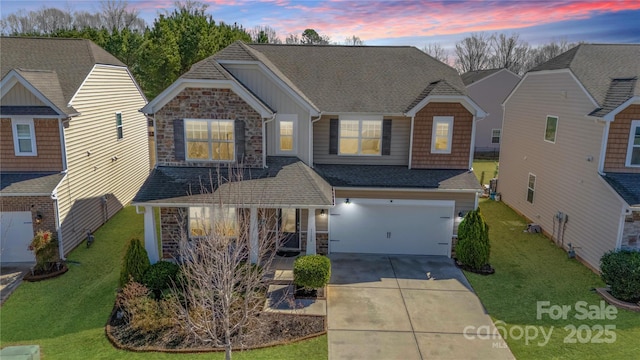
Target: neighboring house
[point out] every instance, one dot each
(570, 159)
(489, 88)
(353, 148)
(73, 145)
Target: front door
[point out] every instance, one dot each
(288, 223)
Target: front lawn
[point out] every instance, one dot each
(66, 315)
(530, 268)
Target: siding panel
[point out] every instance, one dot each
(20, 96)
(618, 142)
(464, 201)
(48, 147)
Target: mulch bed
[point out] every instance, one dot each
(484, 270)
(606, 295)
(279, 329)
(311, 294)
(55, 271)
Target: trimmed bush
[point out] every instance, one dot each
(160, 276)
(473, 248)
(136, 262)
(621, 271)
(312, 271)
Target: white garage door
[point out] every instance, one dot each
(419, 227)
(16, 233)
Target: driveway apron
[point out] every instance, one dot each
(405, 307)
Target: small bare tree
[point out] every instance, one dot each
(473, 53)
(223, 293)
(436, 51)
(353, 41)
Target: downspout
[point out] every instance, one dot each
(603, 149)
(313, 121)
(155, 138)
(473, 142)
(63, 145)
(413, 117)
(56, 214)
(264, 139)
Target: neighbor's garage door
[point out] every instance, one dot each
(419, 227)
(16, 232)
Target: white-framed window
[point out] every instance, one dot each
(531, 188)
(442, 134)
(551, 129)
(495, 136)
(206, 220)
(633, 151)
(360, 135)
(119, 132)
(24, 137)
(209, 140)
(286, 129)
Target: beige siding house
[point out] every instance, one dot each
(570, 156)
(489, 88)
(74, 145)
(369, 151)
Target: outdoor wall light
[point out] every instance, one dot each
(38, 217)
(347, 201)
(322, 213)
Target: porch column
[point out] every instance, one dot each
(253, 236)
(311, 232)
(150, 240)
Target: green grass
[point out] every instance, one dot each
(489, 168)
(66, 316)
(530, 268)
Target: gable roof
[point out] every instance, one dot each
(29, 183)
(470, 77)
(605, 71)
(351, 79)
(53, 65)
(627, 185)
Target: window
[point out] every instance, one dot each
(210, 140)
(221, 221)
(24, 137)
(633, 152)
(551, 129)
(119, 125)
(286, 133)
(531, 188)
(495, 136)
(442, 133)
(360, 137)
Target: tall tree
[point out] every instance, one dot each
(437, 52)
(264, 34)
(473, 53)
(311, 37)
(508, 52)
(116, 15)
(353, 41)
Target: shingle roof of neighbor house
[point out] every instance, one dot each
(287, 180)
(626, 185)
(470, 77)
(607, 71)
(41, 183)
(55, 66)
(380, 79)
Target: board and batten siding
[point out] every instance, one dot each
(99, 165)
(400, 136)
(279, 100)
(567, 178)
(465, 201)
(20, 96)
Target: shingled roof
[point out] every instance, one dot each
(605, 70)
(53, 65)
(30, 183)
(627, 185)
(470, 77)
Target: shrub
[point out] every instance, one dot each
(136, 262)
(473, 248)
(621, 271)
(160, 276)
(143, 313)
(45, 247)
(312, 271)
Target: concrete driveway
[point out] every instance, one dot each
(11, 275)
(405, 307)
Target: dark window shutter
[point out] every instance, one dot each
(386, 137)
(240, 140)
(333, 136)
(178, 139)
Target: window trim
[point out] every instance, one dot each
(360, 119)
(287, 118)
(32, 133)
(533, 190)
(499, 136)
(635, 124)
(209, 141)
(434, 135)
(546, 125)
(119, 134)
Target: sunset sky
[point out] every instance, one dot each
(414, 23)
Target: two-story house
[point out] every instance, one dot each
(570, 156)
(355, 148)
(73, 145)
(489, 88)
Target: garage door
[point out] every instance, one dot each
(419, 227)
(16, 232)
